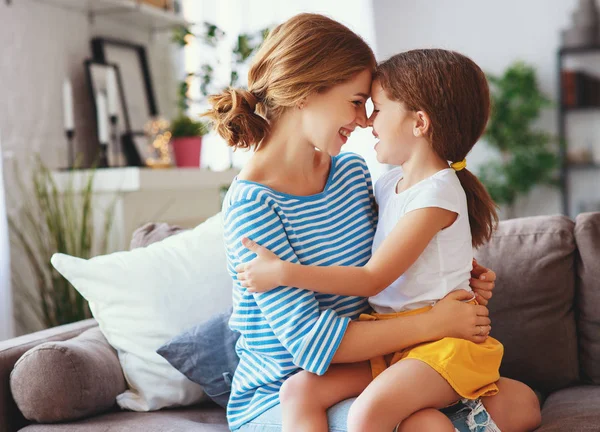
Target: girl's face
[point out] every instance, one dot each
(329, 118)
(393, 125)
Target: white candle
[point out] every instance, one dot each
(68, 105)
(111, 90)
(102, 118)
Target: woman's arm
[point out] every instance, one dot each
(400, 249)
(450, 317)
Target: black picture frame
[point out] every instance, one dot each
(137, 82)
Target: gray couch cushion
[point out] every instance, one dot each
(207, 418)
(587, 236)
(573, 409)
(68, 380)
(532, 309)
(206, 355)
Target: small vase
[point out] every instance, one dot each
(187, 151)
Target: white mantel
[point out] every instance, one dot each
(178, 196)
(133, 179)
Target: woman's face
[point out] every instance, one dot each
(329, 118)
(393, 125)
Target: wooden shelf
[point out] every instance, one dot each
(566, 167)
(591, 49)
(580, 108)
(129, 12)
(583, 165)
(132, 179)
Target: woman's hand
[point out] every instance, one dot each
(482, 283)
(263, 273)
(455, 318)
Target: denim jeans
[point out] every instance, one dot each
(467, 416)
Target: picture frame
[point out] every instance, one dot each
(142, 145)
(138, 89)
(97, 80)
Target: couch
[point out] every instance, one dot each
(545, 310)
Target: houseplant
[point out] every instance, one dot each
(47, 219)
(186, 140)
(186, 132)
(527, 156)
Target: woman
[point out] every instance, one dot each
(307, 203)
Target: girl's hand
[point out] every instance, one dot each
(482, 283)
(263, 273)
(455, 318)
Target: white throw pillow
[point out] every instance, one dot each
(145, 297)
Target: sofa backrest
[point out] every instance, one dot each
(532, 308)
(587, 237)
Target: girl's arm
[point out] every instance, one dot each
(397, 253)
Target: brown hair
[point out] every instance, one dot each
(308, 53)
(454, 92)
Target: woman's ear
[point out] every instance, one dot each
(422, 124)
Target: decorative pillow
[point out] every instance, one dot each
(206, 355)
(153, 233)
(68, 380)
(145, 297)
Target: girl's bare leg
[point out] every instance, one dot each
(515, 408)
(405, 388)
(305, 397)
(429, 419)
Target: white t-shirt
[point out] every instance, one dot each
(446, 263)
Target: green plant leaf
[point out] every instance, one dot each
(183, 126)
(50, 220)
(529, 157)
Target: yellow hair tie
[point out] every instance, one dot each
(457, 166)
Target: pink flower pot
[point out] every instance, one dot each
(187, 151)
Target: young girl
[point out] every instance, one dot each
(430, 108)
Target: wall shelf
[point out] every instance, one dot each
(589, 108)
(590, 49)
(583, 165)
(566, 167)
(131, 12)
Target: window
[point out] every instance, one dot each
(241, 16)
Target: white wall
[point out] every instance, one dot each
(494, 34)
(43, 44)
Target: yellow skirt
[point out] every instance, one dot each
(471, 369)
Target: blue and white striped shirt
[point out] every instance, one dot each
(289, 329)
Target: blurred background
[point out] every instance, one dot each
(99, 126)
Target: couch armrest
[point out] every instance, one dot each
(11, 350)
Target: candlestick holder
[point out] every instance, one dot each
(115, 157)
(70, 134)
(103, 156)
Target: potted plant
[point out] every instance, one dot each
(528, 156)
(186, 140)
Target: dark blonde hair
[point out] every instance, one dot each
(454, 93)
(308, 53)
